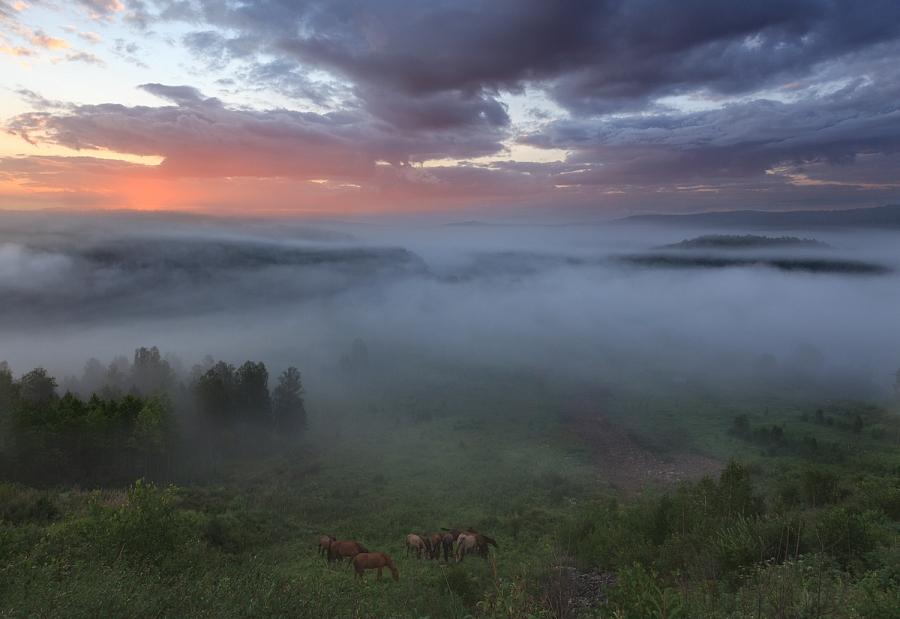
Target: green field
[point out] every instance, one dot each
(805, 522)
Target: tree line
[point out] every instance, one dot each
(140, 419)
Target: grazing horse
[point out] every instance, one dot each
(447, 543)
(465, 543)
(418, 543)
(324, 543)
(482, 541)
(483, 549)
(340, 549)
(436, 546)
(376, 560)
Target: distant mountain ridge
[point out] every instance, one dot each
(748, 241)
(887, 216)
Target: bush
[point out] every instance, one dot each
(21, 505)
(637, 595)
(147, 528)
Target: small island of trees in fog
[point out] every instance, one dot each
(140, 420)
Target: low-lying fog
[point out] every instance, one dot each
(597, 301)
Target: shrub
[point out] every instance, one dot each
(637, 595)
(21, 505)
(147, 528)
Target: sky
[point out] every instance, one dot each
(469, 109)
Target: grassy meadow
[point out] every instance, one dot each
(804, 523)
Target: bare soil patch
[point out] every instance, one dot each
(628, 467)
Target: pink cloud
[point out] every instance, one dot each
(18, 51)
(45, 41)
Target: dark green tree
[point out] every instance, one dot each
(213, 394)
(155, 430)
(736, 496)
(9, 397)
(819, 486)
(288, 410)
(150, 373)
(9, 390)
(251, 392)
(37, 388)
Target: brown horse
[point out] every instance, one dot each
(340, 549)
(371, 561)
(483, 549)
(419, 543)
(324, 544)
(436, 546)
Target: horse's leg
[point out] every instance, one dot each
(379, 574)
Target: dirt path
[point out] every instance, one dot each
(622, 463)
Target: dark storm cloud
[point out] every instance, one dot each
(290, 80)
(594, 56)
(216, 50)
(739, 139)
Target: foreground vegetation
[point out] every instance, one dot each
(803, 521)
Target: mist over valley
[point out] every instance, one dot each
(601, 302)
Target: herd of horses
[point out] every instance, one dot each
(361, 559)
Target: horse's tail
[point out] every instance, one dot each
(445, 529)
(362, 548)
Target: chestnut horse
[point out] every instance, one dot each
(436, 546)
(324, 543)
(371, 561)
(420, 543)
(340, 549)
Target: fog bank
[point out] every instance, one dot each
(593, 302)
